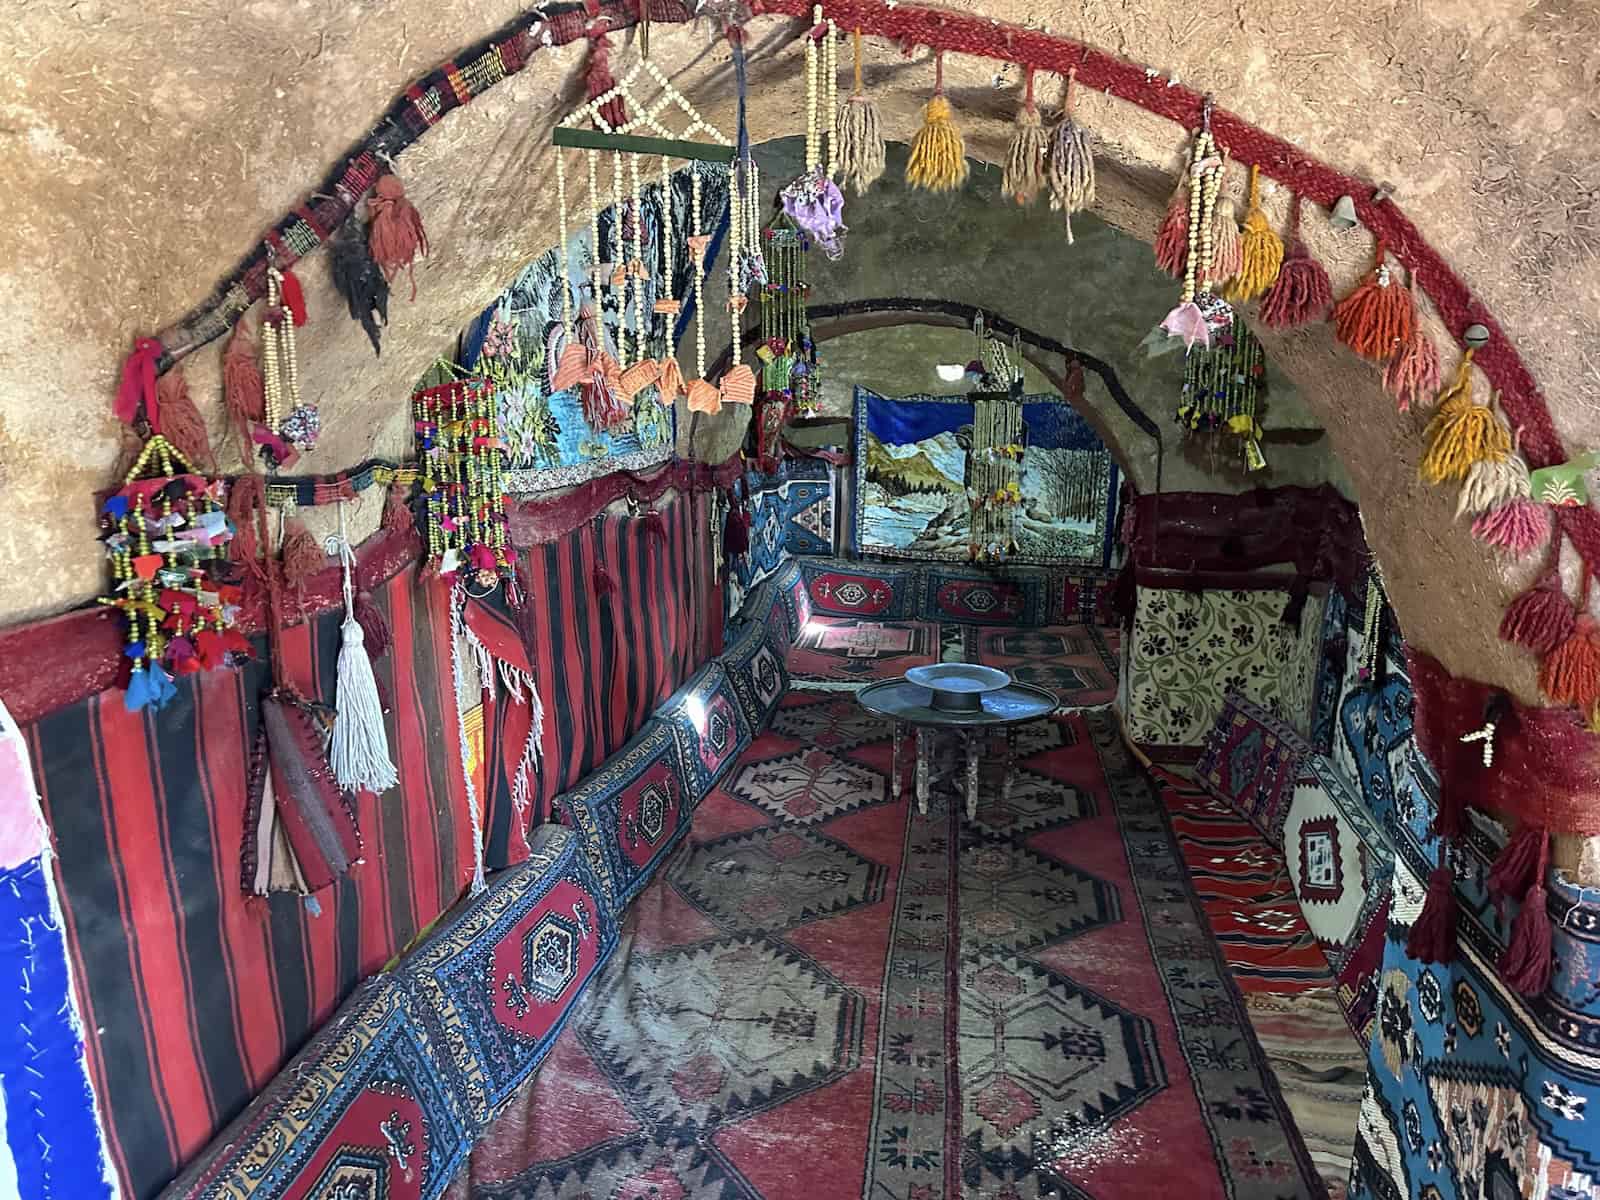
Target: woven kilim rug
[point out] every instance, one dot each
(827, 995)
(843, 653)
(1075, 662)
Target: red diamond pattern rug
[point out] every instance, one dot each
(827, 995)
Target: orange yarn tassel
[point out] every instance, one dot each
(395, 234)
(181, 422)
(1571, 673)
(302, 557)
(1378, 317)
(1412, 376)
(242, 389)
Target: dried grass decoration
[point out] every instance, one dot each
(1069, 161)
(858, 135)
(938, 160)
(1262, 249)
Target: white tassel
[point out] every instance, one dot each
(359, 748)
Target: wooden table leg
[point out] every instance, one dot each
(973, 742)
(897, 734)
(1011, 763)
(924, 749)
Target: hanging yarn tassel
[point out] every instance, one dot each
(242, 390)
(394, 233)
(1227, 246)
(1023, 175)
(598, 79)
(1516, 867)
(1493, 482)
(1433, 935)
(1302, 292)
(1412, 376)
(938, 161)
(1070, 160)
(302, 556)
(397, 515)
(293, 297)
(1527, 962)
(1541, 618)
(1379, 317)
(361, 282)
(1461, 432)
(604, 584)
(375, 631)
(1261, 249)
(1570, 674)
(181, 422)
(859, 138)
(1519, 526)
(1172, 240)
(359, 748)
(136, 394)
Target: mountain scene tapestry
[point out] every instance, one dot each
(549, 444)
(912, 473)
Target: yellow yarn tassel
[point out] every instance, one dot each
(1462, 433)
(1262, 249)
(938, 160)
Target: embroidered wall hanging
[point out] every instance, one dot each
(913, 469)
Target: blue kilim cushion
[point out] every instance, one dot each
(709, 727)
(755, 668)
(494, 985)
(631, 812)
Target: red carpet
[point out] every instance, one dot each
(828, 996)
(1245, 888)
(843, 653)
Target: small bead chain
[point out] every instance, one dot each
(1213, 185)
(618, 263)
(669, 280)
(561, 243)
(735, 237)
(697, 262)
(813, 147)
(594, 222)
(832, 68)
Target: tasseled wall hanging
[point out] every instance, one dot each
(291, 425)
(789, 376)
(938, 159)
(243, 391)
(1227, 248)
(1172, 239)
(394, 231)
(181, 421)
(1199, 313)
(1261, 249)
(359, 749)
(1222, 390)
(463, 485)
(1462, 432)
(857, 134)
(813, 201)
(1378, 317)
(1302, 292)
(1022, 178)
(361, 281)
(165, 531)
(1070, 160)
(1412, 376)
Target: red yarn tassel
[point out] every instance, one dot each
(181, 422)
(598, 80)
(243, 390)
(1378, 317)
(397, 516)
(1172, 241)
(1433, 937)
(736, 534)
(655, 525)
(604, 585)
(1527, 962)
(1541, 618)
(303, 558)
(375, 633)
(1570, 674)
(294, 299)
(1412, 376)
(1517, 865)
(138, 387)
(395, 234)
(1301, 293)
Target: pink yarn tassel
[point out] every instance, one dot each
(1412, 376)
(1519, 526)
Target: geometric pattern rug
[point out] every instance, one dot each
(838, 997)
(844, 653)
(1077, 663)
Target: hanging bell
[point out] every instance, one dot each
(1343, 215)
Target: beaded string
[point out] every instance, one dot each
(699, 265)
(735, 242)
(561, 243)
(831, 66)
(813, 135)
(636, 264)
(619, 265)
(280, 373)
(594, 224)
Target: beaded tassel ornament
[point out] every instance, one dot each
(1070, 160)
(463, 481)
(813, 201)
(1199, 313)
(789, 376)
(291, 424)
(165, 533)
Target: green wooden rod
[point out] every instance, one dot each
(590, 139)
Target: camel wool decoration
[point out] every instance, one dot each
(938, 161)
(1227, 247)
(1070, 161)
(1541, 618)
(1172, 239)
(1261, 249)
(1022, 178)
(1462, 432)
(858, 135)
(395, 233)
(1302, 292)
(1412, 376)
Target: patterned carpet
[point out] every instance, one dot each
(828, 996)
(844, 653)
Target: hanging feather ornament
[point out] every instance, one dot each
(361, 282)
(858, 136)
(1023, 176)
(1379, 317)
(1070, 160)
(1261, 249)
(1302, 292)
(938, 161)
(1462, 432)
(1227, 248)
(394, 230)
